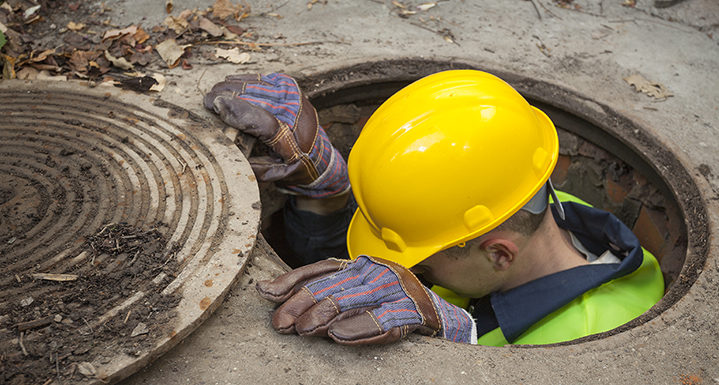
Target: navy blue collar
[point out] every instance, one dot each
(516, 310)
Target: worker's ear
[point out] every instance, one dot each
(500, 252)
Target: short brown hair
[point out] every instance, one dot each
(523, 222)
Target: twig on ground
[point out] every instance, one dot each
(536, 8)
(548, 11)
(251, 44)
(105, 228)
(88, 325)
(34, 324)
(197, 85)
(274, 9)
(55, 277)
(172, 255)
(133, 258)
(22, 346)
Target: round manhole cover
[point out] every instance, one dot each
(123, 222)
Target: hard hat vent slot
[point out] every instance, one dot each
(393, 240)
(477, 216)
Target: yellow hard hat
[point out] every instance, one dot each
(444, 160)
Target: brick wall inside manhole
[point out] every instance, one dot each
(593, 165)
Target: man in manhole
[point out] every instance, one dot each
(450, 182)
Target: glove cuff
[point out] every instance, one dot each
(457, 324)
(333, 179)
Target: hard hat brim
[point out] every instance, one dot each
(362, 240)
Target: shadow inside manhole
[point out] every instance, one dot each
(605, 159)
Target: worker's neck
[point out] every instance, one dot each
(549, 250)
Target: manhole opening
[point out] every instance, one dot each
(598, 163)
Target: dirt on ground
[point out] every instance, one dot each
(57, 335)
(59, 40)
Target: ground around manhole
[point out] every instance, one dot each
(627, 55)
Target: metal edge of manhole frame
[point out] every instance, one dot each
(369, 76)
(204, 287)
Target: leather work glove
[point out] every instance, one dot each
(273, 109)
(365, 301)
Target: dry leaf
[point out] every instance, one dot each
(45, 75)
(653, 89)
(313, 2)
(161, 81)
(141, 36)
(86, 369)
(119, 62)
(426, 6)
(168, 6)
(137, 83)
(184, 15)
(27, 73)
(233, 55)
(115, 33)
(210, 27)
(30, 12)
(236, 29)
(177, 24)
(79, 60)
(222, 9)
(141, 328)
(141, 58)
(447, 35)
(8, 71)
(42, 56)
(147, 48)
(629, 3)
(6, 7)
(228, 35)
(73, 26)
(171, 52)
(398, 4)
(42, 66)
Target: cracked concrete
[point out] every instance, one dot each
(587, 51)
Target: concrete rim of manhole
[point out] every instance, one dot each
(627, 139)
(146, 161)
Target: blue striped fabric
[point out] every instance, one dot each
(280, 95)
(366, 284)
(457, 324)
(333, 178)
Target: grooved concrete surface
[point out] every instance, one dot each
(588, 51)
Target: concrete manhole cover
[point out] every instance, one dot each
(123, 222)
